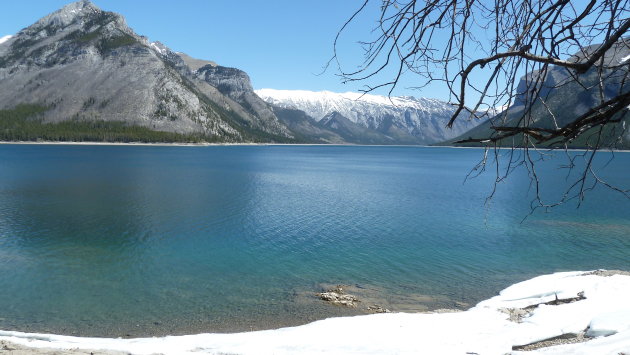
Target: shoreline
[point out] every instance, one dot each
(144, 144)
(568, 312)
(137, 144)
(305, 307)
(141, 144)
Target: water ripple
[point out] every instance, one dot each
(99, 239)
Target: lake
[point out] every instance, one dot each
(152, 240)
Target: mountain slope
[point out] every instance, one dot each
(305, 128)
(353, 132)
(398, 120)
(82, 64)
(235, 84)
(565, 100)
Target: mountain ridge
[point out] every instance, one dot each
(400, 120)
(82, 67)
(83, 64)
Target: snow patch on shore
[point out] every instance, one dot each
(550, 305)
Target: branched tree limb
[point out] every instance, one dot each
(512, 53)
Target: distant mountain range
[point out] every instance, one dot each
(82, 74)
(366, 119)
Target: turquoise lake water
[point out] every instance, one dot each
(136, 241)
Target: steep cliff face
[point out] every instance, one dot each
(85, 64)
(237, 85)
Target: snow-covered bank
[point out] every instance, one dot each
(570, 304)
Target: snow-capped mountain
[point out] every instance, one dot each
(402, 119)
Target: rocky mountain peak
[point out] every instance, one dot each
(231, 81)
(84, 64)
(68, 14)
(82, 16)
(75, 32)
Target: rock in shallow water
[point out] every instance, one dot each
(378, 309)
(337, 296)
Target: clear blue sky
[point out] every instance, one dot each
(281, 44)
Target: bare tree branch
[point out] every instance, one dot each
(518, 54)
